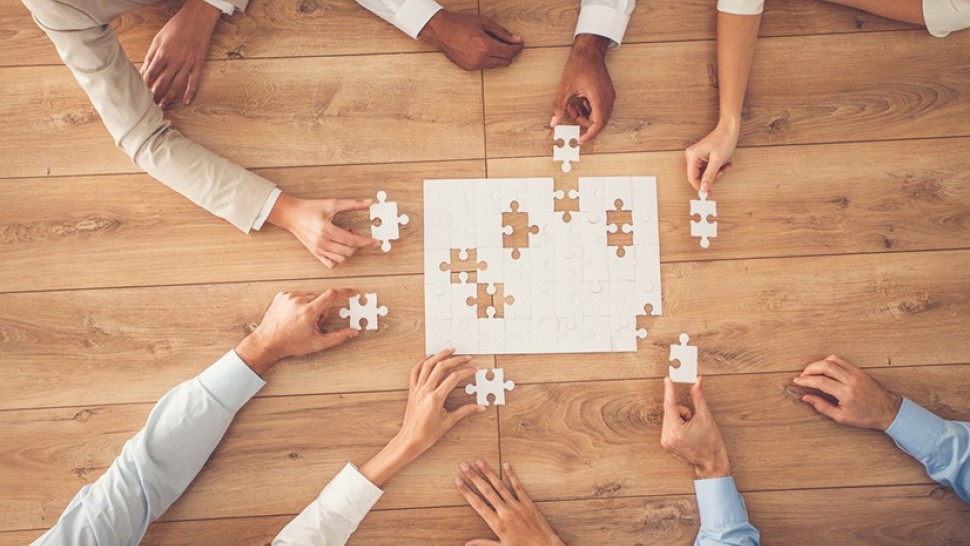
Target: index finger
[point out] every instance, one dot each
(346, 205)
(694, 163)
(671, 413)
(325, 300)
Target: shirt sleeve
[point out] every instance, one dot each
(607, 18)
(156, 466)
(724, 518)
(267, 209)
(942, 446)
(224, 6)
(945, 16)
(335, 514)
(137, 124)
(408, 15)
(741, 7)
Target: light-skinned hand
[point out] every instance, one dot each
(710, 158)
(426, 420)
(862, 401)
(508, 510)
(174, 63)
(311, 222)
(693, 436)
(292, 326)
(472, 42)
(586, 92)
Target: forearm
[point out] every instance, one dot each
(724, 517)
(737, 36)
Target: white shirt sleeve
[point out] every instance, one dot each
(408, 15)
(607, 18)
(335, 514)
(741, 7)
(267, 208)
(945, 16)
(222, 5)
(156, 466)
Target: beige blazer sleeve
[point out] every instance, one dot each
(91, 50)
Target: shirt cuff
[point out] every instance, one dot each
(719, 502)
(223, 6)
(916, 430)
(267, 208)
(741, 7)
(413, 15)
(602, 21)
(231, 381)
(350, 494)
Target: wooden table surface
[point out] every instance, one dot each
(845, 228)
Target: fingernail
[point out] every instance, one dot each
(464, 467)
(507, 466)
(480, 463)
(459, 482)
(481, 409)
(552, 122)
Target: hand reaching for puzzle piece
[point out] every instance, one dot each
(311, 222)
(693, 436)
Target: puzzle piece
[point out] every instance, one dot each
(490, 300)
(464, 266)
(566, 152)
(366, 310)
(704, 229)
(566, 194)
(516, 230)
(388, 229)
(687, 355)
(496, 386)
(619, 227)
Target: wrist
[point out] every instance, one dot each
(256, 353)
(718, 467)
(431, 29)
(200, 10)
(396, 455)
(730, 123)
(894, 405)
(283, 211)
(591, 45)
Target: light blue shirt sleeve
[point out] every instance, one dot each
(724, 518)
(942, 446)
(156, 466)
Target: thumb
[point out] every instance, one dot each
(333, 339)
(483, 542)
(465, 412)
(346, 205)
(671, 411)
(710, 173)
(697, 396)
(500, 32)
(821, 405)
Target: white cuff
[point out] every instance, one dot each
(741, 7)
(267, 208)
(413, 15)
(945, 16)
(231, 381)
(223, 6)
(350, 494)
(602, 21)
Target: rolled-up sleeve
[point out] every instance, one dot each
(410, 16)
(741, 7)
(724, 518)
(607, 18)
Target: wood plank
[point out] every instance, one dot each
(260, 113)
(780, 314)
(551, 23)
(275, 459)
(602, 439)
(890, 516)
(811, 89)
(61, 348)
(130, 230)
(284, 28)
(803, 200)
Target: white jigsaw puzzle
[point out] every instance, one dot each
(705, 229)
(687, 356)
(368, 311)
(496, 386)
(567, 152)
(389, 228)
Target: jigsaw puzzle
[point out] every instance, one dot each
(483, 386)
(705, 229)
(687, 356)
(388, 228)
(568, 151)
(366, 310)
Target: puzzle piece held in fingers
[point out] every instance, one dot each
(704, 229)
(366, 310)
(687, 355)
(389, 227)
(496, 386)
(566, 152)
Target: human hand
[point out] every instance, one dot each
(693, 437)
(292, 326)
(710, 157)
(510, 514)
(173, 65)
(585, 90)
(472, 42)
(425, 419)
(862, 401)
(311, 222)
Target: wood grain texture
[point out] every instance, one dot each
(130, 230)
(812, 89)
(260, 113)
(602, 439)
(282, 28)
(61, 348)
(780, 314)
(802, 200)
(275, 459)
(552, 23)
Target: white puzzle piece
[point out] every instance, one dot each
(687, 356)
(705, 229)
(568, 151)
(389, 228)
(367, 310)
(485, 386)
